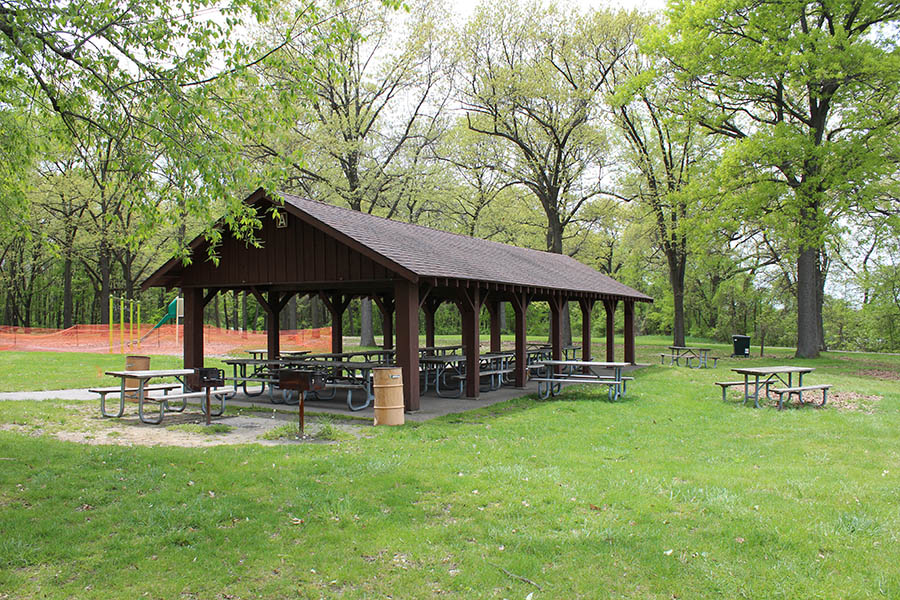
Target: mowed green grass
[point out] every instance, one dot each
(35, 371)
(669, 493)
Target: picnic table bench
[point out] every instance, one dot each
(118, 389)
(799, 391)
(688, 354)
(557, 372)
(349, 375)
(766, 378)
(143, 376)
(263, 373)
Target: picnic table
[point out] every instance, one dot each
(535, 355)
(556, 372)
(262, 353)
(438, 350)
(497, 366)
(143, 376)
(348, 375)
(438, 370)
(262, 373)
(764, 377)
(367, 355)
(688, 353)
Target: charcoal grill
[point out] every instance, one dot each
(206, 378)
(301, 382)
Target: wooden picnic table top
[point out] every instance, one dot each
(445, 358)
(345, 364)
(772, 370)
(584, 363)
(688, 348)
(254, 361)
(348, 354)
(149, 374)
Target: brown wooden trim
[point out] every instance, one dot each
(610, 308)
(407, 352)
(470, 309)
(629, 331)
(587, 307)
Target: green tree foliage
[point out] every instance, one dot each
(662, 164)
(808, 92)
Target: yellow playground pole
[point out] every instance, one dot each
(111, 321)
(130, 323)
(122, 324)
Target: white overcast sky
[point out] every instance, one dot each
(464, 8)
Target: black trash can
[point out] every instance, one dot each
(741, 345)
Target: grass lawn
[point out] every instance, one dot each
(668, 494)
(35, 371)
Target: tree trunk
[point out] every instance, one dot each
(315, 312)
(676, 281)
(366, 333)
(216, 318)
(104, 266)
(225, 311)
(292, 313)
(67, 292)
(244, 311)
(807, 301)
(555, 245)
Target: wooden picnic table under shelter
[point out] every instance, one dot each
(312, 248)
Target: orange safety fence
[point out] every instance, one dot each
(162, 340)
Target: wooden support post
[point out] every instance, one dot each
(520, 305)
(336, 305)
(629, 331)
(470, 311)
(337, 324)
(610, 307)
(429, 307)
(387, 306)
(272, 305)
(587, 307)
(556, 306)
(273, 332)
(193, 327)
(493, 307)
(406, 295)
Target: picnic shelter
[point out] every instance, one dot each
(311, 248)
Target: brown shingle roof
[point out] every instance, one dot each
(433, 253)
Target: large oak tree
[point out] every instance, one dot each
(808, 93)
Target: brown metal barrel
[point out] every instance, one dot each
(388, 385)
(135, 363)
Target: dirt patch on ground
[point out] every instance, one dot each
(879, 374)
(84, 426)
(851, 401)
(837, 399)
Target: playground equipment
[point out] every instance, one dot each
(131, 337)
(174, 311)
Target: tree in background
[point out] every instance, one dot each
(661, 164)
(808, 94)
(533, 78)
(375, 108)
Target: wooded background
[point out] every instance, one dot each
(741, 168)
